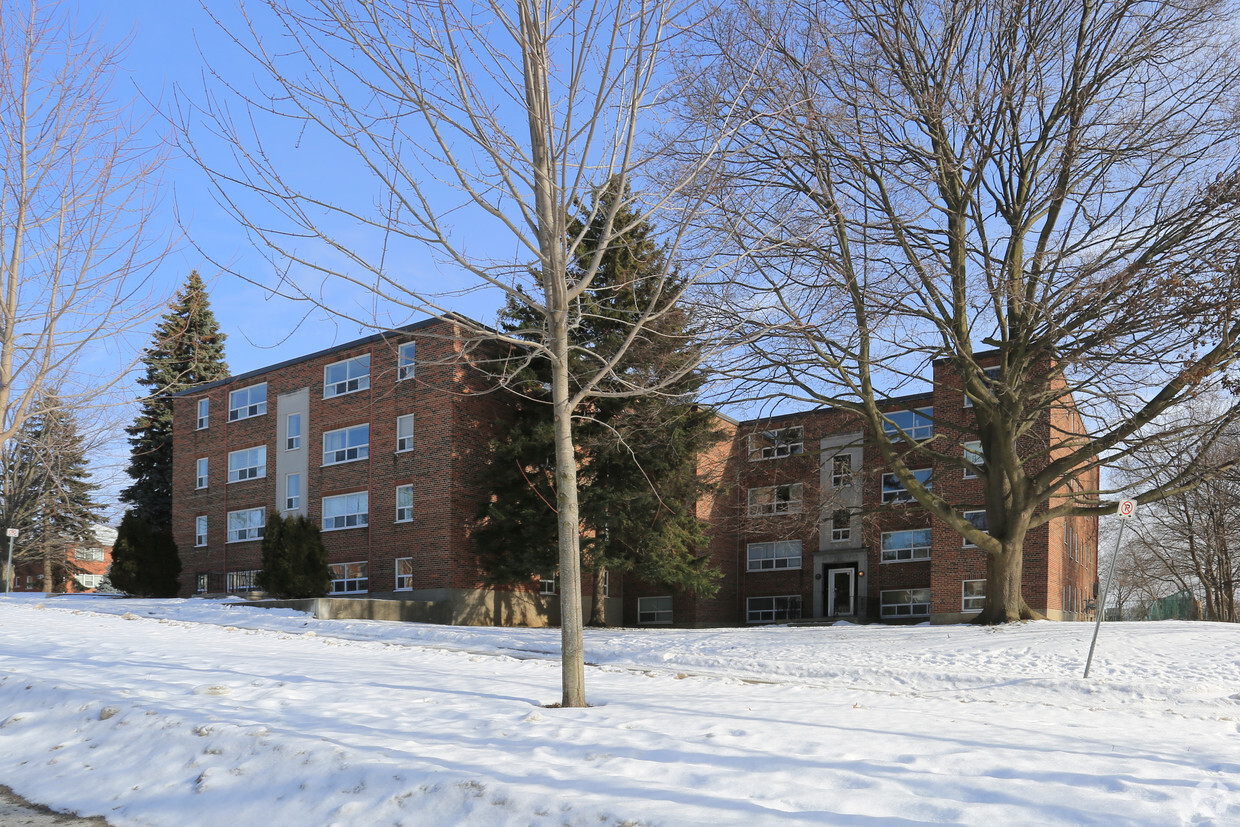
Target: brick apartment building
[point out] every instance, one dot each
(384, 443)
(83, 569)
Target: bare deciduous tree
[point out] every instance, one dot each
(1048, 188)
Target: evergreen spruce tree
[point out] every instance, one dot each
(637, 476)
(187, 350)
(145, 562)
(294, 559)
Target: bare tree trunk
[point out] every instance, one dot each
(572, 646)
(1004, 602)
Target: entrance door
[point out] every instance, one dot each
(840, 585)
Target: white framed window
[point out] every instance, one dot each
(404, 433)
(88, 555)
(404, 574)
(913, 544)
(346, 444)
(978, 518)
(972, 595)
(973, 455)
(404, 361)
(547, 583)
(917, 424)
(768, 609)
(292, 492)
(841, 470)
(204, 414)
(654, 609)
(246, 524)
(200, 474)
(349, 376)
(292, 432)
(404, 503)
(894, 490)
(200, 531)
(841, 525)
(990, 376)
(779, 554)
(780, 442)
(88, 581)
(904, 603)
(350, 578)
(346, 511)
(203, 581)
(247, 402)
(247, 464)
(242, 581)
(776, 499)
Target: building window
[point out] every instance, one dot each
(546, 583)
(979, 521)
(905, 603)
(404, 503)
(780, 554)
(292, 432)
(841, 525)
(242, 581)
(404, 433)
(200, 531)
(200, 476)
(246, 524)
(248, 464)
(349, 578)
(1072, 541)
(906, 545)
(916, 425)
(841, 470)
(404, 362)
(654, 609)
(292, 492)
(346, 444)
(404, 574)
(768, 609)
(88, 555)
(894, 490)
(990, 378)
(202, 583)
(88, 581)
(973, 595)
(777, 499)
(247, 402)
(204, 413)
(973, 455)
(346, 377)
(346, 511)
(781, 442)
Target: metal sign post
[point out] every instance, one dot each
(1125, 511)
(11, 533)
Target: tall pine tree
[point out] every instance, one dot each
(187, 350)
(637, 473)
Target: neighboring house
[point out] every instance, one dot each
(384, 442)
(84, 568)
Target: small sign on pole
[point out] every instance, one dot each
(10, 532)
(1125, 511)
(8, 569)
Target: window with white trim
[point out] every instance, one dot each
(404, 433)
(917, 424)
(88, 555)
(247, 402)
(775, 499)
(349, 376)
(200, 531)
(978, 518)
(292, 432)
(204, 414)
(292, 492)
(346, 511)
(247, 464)
(246, 524)
(912, 544)
(780, 442)
(88, 581)
(242, 581)
(973, 454)
(894, 490)
(404, 503)
(841, 525)
(200, 474)
(547, 583)
(654, 609)
(778, 554)
(404, 574)
(404, 361)
(350, 578)
(904, 603)
(990, 378)
(346, 444)
(770, 609)
(972, 595)
(841, 470)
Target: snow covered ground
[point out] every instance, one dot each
(200, 713)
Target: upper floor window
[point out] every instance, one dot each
(404, 362)
(404, 433)
(894, 490)
(777, 499)
(916, 424)
(346, 444)
(346, 511)
(246, 524)
(841, 525)
(913, 544)
(200, 474)
(88, 555)
(979, 521)
(781, 442)
(347, 376)
(841, 470)
(204, 413)
(292, 492)
(292, 432)
(974, 456)
(990, 377)
(200, 532)
(404, 503)
(779, 554)
(247, 402)
(247, 464)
